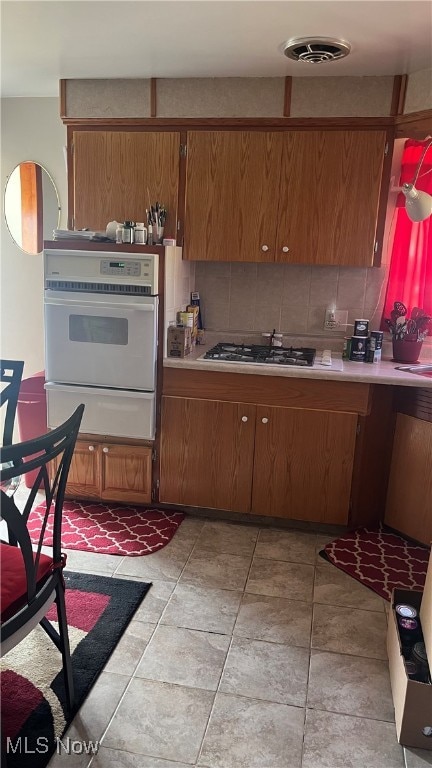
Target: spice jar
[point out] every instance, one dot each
(128, 232)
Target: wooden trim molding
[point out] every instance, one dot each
(62, 85)
(153, 97)
(70, 178)
(415, 125)
(382, 207)
(230, 123)
(290, 392)
(398, 96)
(287, 96)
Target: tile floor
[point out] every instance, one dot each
(248, 652)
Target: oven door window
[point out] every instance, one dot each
(98, 329)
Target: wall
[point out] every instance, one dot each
(419, 91)
(30, 130)
(291, 298)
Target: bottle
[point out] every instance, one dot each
(119, 233)
(140, 233)
(128, 232)
(150, 234)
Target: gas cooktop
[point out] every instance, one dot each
(260, 354)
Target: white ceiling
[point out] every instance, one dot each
(42, 42)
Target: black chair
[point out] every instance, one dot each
(32, 581)
(10, 372)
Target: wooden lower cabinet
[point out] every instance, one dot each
(110, 472)
(274, 461)
(85, 471)
(207, 453)
(126, 473)
(409, 495)
(303, 464)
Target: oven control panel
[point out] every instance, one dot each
(126, 268)
(101, 268)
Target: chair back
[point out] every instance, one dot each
(51, 467)
(11, 372)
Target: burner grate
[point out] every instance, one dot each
(261, 354)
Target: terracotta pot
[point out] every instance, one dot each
(406, 351)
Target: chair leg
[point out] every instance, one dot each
(64, 646)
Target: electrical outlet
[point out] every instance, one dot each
(335, 319)
(330, 320)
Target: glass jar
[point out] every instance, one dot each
(119, 233)
(128, 232)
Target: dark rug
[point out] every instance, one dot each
(33, 702)
(109, 528)
(380, 560)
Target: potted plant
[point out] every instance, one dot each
(408, 333)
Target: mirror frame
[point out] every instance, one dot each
(59, 208)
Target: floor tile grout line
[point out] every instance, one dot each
(227, 654)
(104, 732)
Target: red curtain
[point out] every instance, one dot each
(410, 276)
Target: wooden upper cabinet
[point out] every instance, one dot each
(116, 173)
(232, 192)
(329, 196)
(293, 196)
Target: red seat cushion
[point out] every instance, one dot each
(14, 580)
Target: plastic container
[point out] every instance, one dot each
(32, 413)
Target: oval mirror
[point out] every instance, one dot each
(32, 206)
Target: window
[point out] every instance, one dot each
(410, 275)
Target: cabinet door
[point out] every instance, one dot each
(303, 464)
(207, 453)
(84, 473)
(232, 191)
(118, 173)
(409, 495)
(126, 473)
(329, 196)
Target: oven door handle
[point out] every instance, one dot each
(150, 307)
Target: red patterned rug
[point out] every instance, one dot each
(380, 560)
(110, 529)
(34, 713)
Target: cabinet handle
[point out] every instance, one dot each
(285, 249)
(264, 248)
(244, 418)
(91, 447)
(105, 449)
(265, 420)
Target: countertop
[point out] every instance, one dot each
(384, 372)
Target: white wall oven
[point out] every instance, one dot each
(101, 312)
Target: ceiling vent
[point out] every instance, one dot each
(316, 50)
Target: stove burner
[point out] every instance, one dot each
(259, 354)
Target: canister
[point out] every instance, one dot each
(140, 233)
(358, 349)
(406, 611)
(378, 337)
(128, 232)
(346, 348)
(361, 327)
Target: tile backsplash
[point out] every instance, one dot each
(237, 296)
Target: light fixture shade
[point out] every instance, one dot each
(418, 205)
